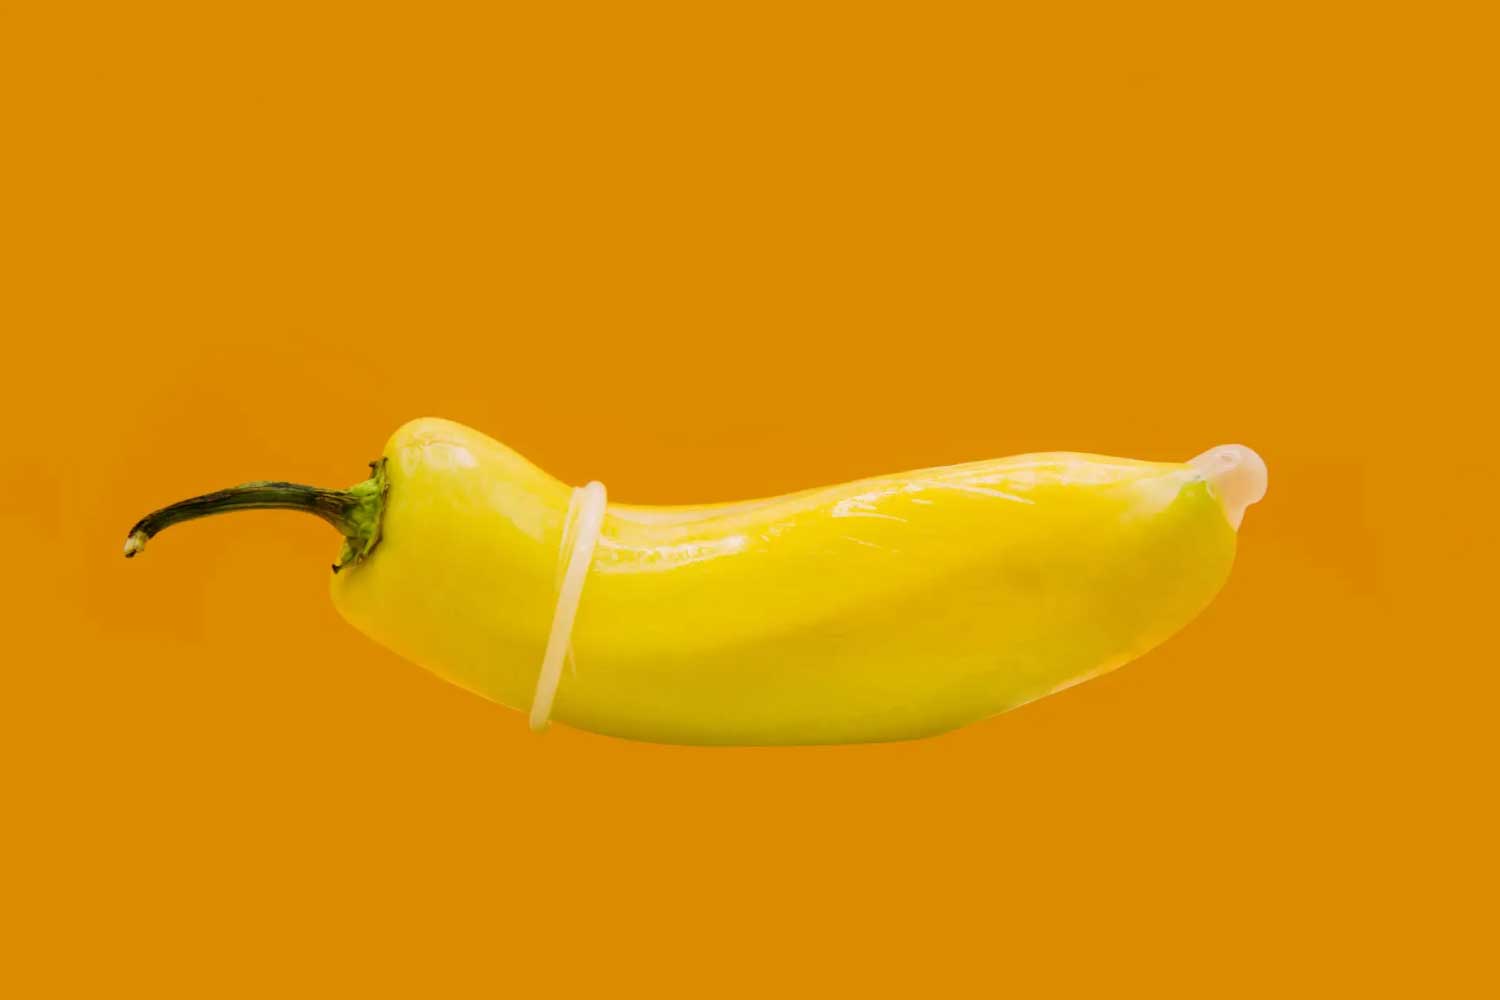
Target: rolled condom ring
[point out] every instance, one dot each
(580, 536)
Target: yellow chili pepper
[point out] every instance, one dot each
(885, 609)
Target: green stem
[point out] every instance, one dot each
(355, 512)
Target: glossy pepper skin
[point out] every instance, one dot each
(891, 608)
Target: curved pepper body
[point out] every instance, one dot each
(890, 608)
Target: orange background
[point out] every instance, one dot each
(705, 252)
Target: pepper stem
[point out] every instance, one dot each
(355, 512)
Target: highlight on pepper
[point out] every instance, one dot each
(890, 608)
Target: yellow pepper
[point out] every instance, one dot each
(885, 609)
